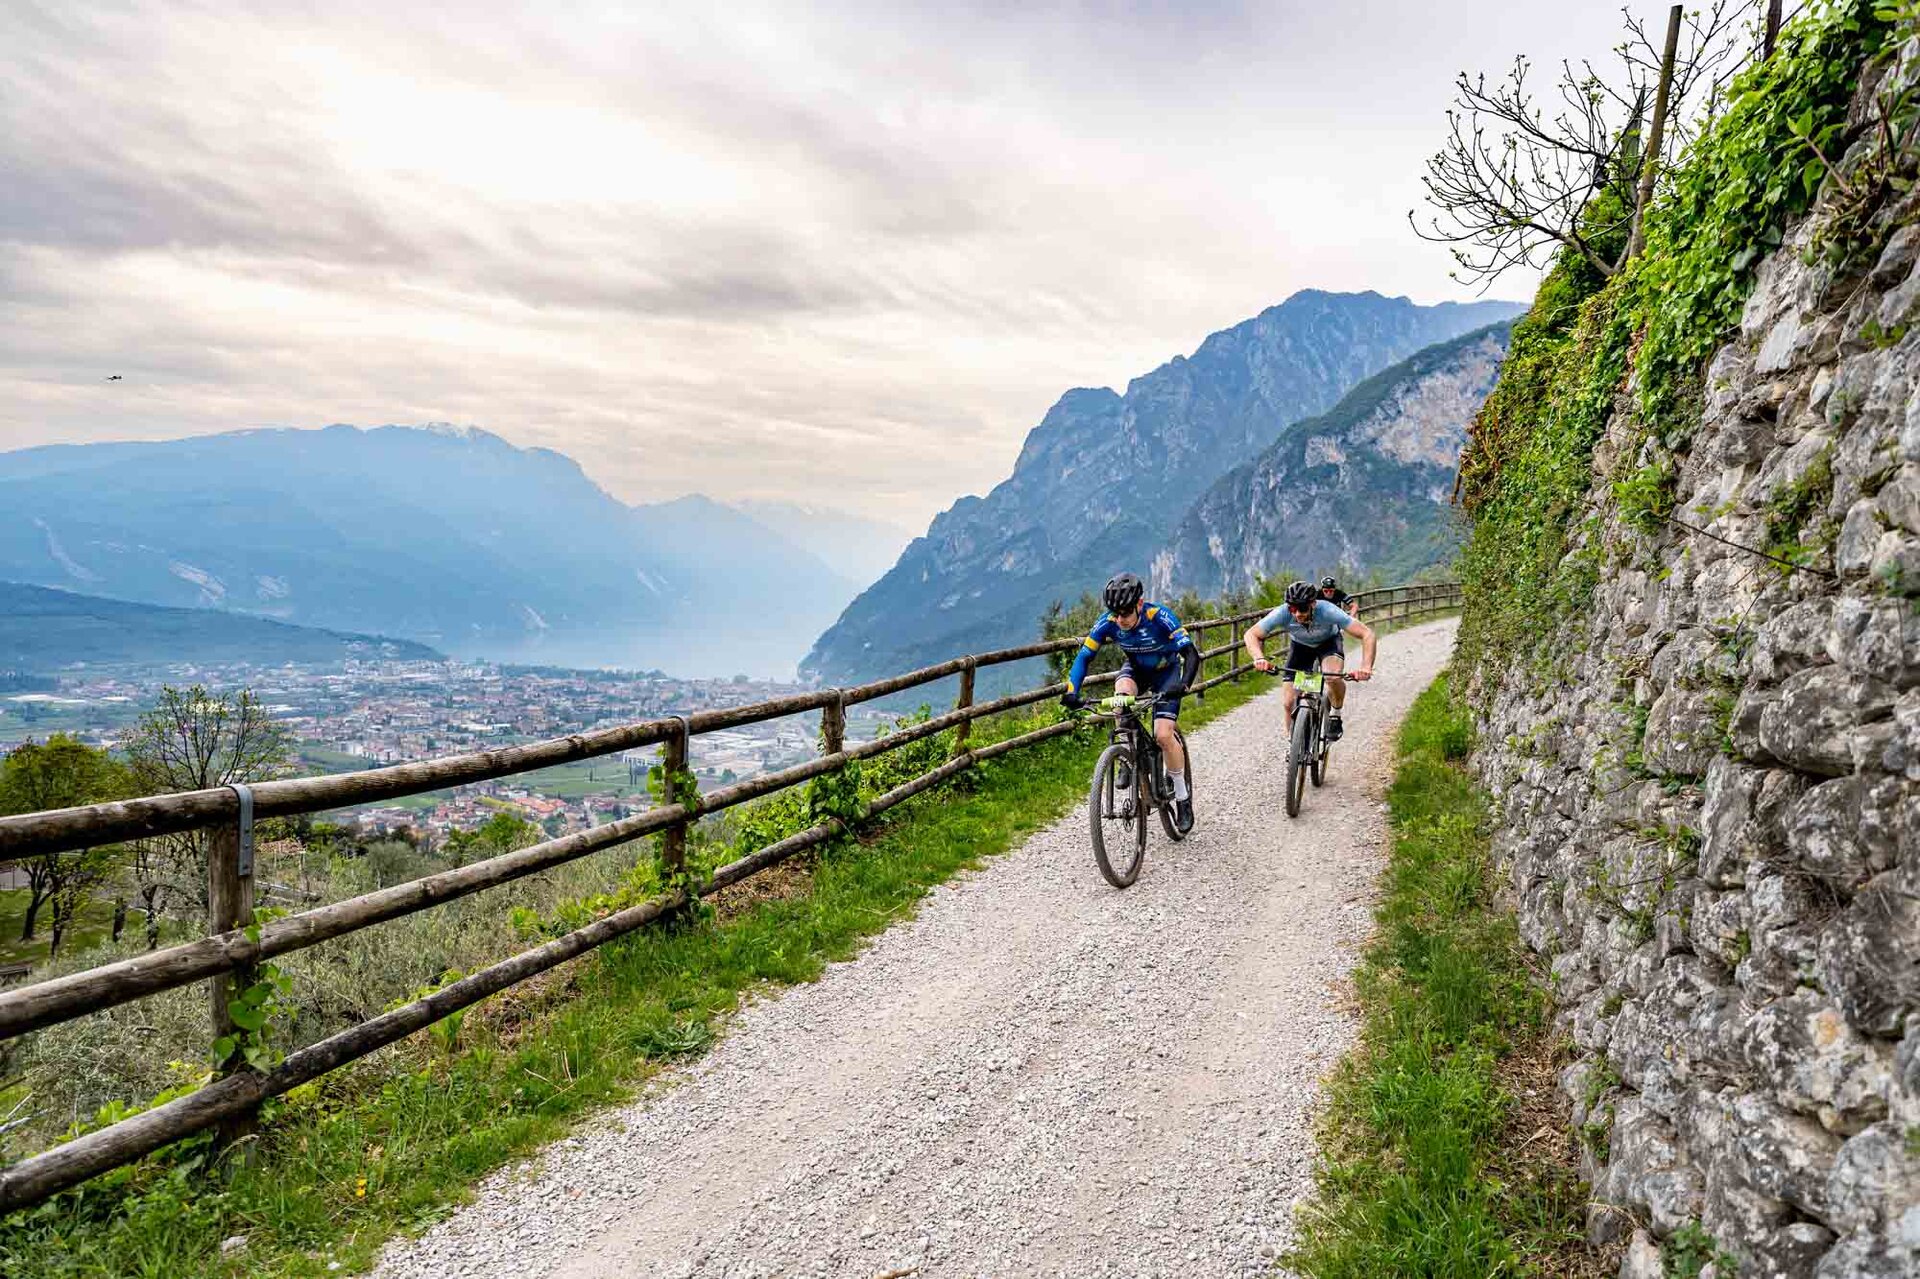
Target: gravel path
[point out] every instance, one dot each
(1037, 1075)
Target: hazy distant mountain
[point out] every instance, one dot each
(450, 536)
(853, 545)
(1364, 487)
(43, 630)
(1104, 478)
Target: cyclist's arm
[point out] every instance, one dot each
(1368, 642)
(1256, 636)
(1189, 664)
(1088, 647)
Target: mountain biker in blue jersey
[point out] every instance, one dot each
(1160, 657)
(1314, 627)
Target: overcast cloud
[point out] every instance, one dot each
(845, 253)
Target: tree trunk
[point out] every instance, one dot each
(119, 917)
(34, 899)
(1650, 159)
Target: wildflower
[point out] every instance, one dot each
(360, 1188)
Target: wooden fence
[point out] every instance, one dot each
(228, 956)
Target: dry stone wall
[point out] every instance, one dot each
(1709, 799)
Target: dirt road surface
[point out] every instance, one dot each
(1037, 1075)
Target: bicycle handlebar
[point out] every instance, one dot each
(1278, 671)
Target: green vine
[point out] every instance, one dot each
(835, 796)
(673, 786)
(255, 1010)
(1639, 341)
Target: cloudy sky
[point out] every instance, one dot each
(845, 252)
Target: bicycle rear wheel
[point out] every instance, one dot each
(1166, 809)
(1117, 818)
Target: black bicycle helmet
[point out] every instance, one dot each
(1301, 595)
(1328, 584)
(1124, 591)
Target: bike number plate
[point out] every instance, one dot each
(1308, 681)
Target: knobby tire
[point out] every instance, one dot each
(1321, 749)
(1100, 800)
(1297, 755)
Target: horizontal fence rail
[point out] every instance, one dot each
(231, 1101)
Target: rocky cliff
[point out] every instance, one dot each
(1365, 486)
(1700, 690)
(1102, 479)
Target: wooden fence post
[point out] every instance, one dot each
(673, 840)
(833, 726)
(964, 729)
(230, 906)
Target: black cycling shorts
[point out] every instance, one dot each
(1156, 681)
(1301, 657)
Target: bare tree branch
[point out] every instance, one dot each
(1525, 175)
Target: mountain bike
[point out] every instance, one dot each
(1130, 780)
(1308, 748)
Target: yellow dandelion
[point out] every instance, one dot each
(360, 1188)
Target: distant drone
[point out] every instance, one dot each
(114, 378)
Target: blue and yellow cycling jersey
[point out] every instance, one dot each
(1149, 646)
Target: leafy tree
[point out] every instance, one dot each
(195, 740)
(62, 772)
(501, 833)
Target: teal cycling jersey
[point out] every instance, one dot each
(1149, 645)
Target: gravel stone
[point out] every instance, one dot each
(1035, 1075)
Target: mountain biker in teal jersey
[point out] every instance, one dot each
(1160, 657)
(1314, 627)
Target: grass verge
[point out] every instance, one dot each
(390, 1145)
(1433, 1162)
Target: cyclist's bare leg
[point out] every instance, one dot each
(1333, 664)
(1287, 698)
(1125, 686)
(1170, 745)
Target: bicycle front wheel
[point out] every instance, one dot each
(1117, 817)
(1299, 753)
(1166, 809)
(1321, 749)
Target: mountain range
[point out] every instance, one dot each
(1362, 489)
(44, 630)
(448, 536)
(1105, 480)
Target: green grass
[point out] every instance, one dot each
(95, 922)
(1415, 1178)
(420, 1129)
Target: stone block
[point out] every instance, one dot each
(1792, 640)
(1875, 1180)
(1878, 637)
(1683, 731)
(1870, 953)
(1846, 831)
(1720, 927)
(1808, 721)
(1642, 1258)
(1783, 1155)
(1896, 561)
(1859, 538)
(1900, 499)
(1816, 1064)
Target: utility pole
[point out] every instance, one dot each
(1651, 160)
